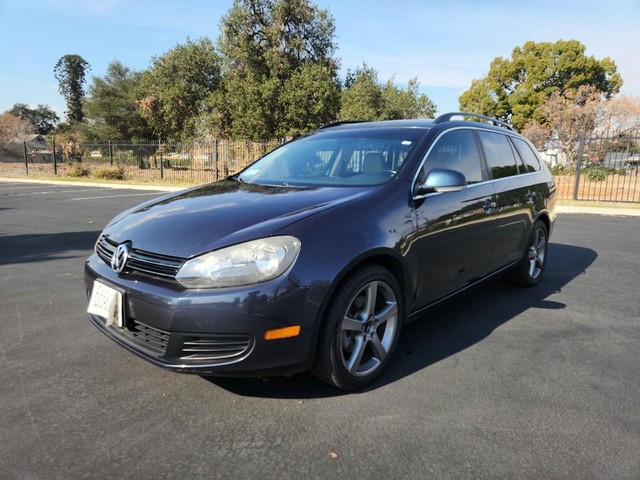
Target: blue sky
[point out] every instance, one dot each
(444, 44)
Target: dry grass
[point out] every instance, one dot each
(615, 188)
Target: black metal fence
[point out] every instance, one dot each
(604, 167)
(141, 161)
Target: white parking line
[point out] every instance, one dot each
(18, 186)
(117, 196)
(45, 192)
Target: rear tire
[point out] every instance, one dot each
(528, 272)
(361, 328)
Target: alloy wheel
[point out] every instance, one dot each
(368, 328)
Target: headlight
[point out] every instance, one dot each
(244, 264)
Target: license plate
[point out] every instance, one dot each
(106, 302)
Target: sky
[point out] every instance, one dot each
(444, 44)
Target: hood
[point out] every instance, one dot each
(213, 216)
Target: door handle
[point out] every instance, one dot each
(489, 205)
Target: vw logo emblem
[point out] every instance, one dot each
(120, 257)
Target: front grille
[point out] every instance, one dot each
(141, 261)
(215, 347)
(149, 338)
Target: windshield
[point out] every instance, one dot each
(336, 158)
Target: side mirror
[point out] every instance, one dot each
(440, 180)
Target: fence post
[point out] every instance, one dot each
(579, 165)
(215, 156)
(26, 163)
(55, 163)
(110, 153)
(161, 161)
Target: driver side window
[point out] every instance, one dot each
(456, 150)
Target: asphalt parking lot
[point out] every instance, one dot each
(503, 383)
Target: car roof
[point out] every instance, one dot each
(355, 125)
(446, 120)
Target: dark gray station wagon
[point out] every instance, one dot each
(314, 256)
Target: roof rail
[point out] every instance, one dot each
(335, 124)
(446, 117)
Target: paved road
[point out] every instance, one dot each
(504, 383)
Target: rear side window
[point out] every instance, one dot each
(456, 150)
(500, 157)
(530, 158)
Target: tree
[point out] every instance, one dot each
(365, 98)
(564, 118)
(401, 103)
(362, 96)
(43, 118)
(70, 71)
(515, 89)
(619, 116)
(275, 37)
(310, 98)
(13, 128)
(279, 74)
(174, 92)
(583, 112)
(112, 105)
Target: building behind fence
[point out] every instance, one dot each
(605, 168)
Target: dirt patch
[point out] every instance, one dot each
(615, 188)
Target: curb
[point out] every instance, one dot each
(116, 186)
(616, 212)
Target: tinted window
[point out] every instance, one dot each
(530, 158)
(456, 150)
(500, 156)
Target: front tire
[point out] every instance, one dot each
(360, 329)
(528, 272)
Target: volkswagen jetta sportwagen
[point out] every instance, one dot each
(314, 256)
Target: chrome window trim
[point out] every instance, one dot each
(472, 185)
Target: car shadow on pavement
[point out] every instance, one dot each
(442, 332)
(40, 247)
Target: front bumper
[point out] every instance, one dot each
(214, 332)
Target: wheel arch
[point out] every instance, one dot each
(387, 259)
(544, 218)
(328, 355)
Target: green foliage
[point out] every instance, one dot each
(112, 106)
(562, 170)
(70, 71)
(362, 97)
(245, 107)
(310, 98)
(516, 88)
(597, 173)
(365, 98)
(78, 170)
(110, 173)
(125, 157)
(406, 103)
(275, 37)
(280, 77)
(43, 118)
(174, 91)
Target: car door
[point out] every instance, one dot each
(513, 198)
(455, 230)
